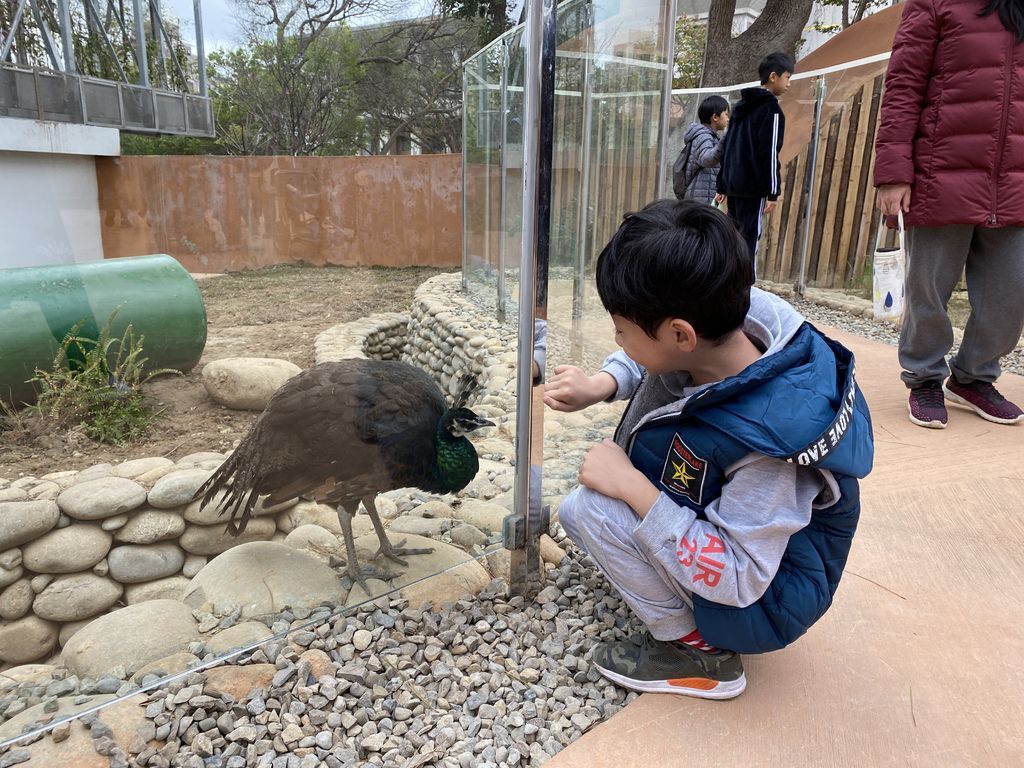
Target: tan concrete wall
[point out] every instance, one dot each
(218, 214)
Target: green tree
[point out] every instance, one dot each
(288, 95)
(691, 37)
(492, 14)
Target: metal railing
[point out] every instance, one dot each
(69, 98)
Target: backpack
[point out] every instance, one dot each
(680, 181)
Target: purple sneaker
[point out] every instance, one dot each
(984, 399)
(927, 407)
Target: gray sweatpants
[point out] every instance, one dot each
(994, 260)
(604, 528)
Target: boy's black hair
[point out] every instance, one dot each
(777, 63)
(711, 106)
(677, 258)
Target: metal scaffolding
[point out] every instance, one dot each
(109, 64)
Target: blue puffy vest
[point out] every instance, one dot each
(801, 404)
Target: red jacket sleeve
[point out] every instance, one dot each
(906, 84)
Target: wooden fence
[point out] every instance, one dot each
(843, 219)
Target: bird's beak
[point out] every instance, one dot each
(479, 421)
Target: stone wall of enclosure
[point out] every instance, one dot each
(217, 214)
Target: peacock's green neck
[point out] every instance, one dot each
(457, 462)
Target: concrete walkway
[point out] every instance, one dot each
(920, 662)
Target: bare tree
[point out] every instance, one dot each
(729, 59)
(310, 82)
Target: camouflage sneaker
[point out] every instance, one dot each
(667, 667)
(984, 399)
(927, 407)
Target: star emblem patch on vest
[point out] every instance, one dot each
(684, 471)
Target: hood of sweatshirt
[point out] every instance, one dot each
(798, 402)
(693, 130)
(751, 99)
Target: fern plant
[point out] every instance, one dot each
(96, 383)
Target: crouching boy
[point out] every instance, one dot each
(724, 508)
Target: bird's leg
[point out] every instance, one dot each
(387, 549)
(345, 518)
(357, 574)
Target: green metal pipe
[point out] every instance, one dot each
(40, 305)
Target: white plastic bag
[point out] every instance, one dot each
(888, 273)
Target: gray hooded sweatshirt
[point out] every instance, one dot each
(702, 167)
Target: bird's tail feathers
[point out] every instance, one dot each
(236, 479)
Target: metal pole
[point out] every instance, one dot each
(197, 10)
(14, 29)
(805, 243)
(44, 32)
(465, 176)
(483, 121)
(669, 31)
(140, 44)
(64, 10)
(502, 203)
(583, 228)
(528, 521)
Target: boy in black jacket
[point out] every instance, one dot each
(749, 176)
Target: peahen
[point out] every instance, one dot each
(343, 432)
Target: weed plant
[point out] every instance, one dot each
(96, 384)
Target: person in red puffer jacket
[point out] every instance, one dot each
(950, 154)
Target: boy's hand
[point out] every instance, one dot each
(770, 205)
(892, 198)
(607, 469)
(570, 389)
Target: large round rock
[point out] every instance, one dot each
(105, 497)
(22, 521)
(246, 383)
(76, 547)
(131, 638)
(26, 639)
(151, 525)
(176, 489)
(136, 563)
(76, 597)
(261, 578)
